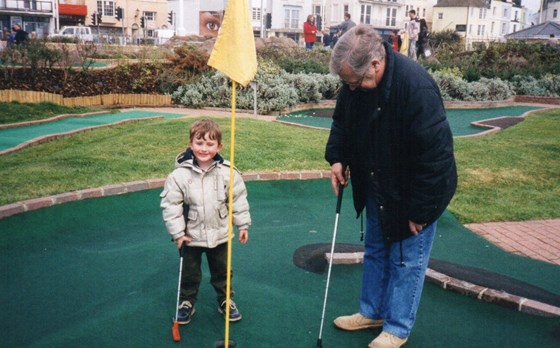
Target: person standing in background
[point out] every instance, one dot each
(422, 38)
(396, 41)
(327, 39)
(345, 26)
(413, 29)
(309, 32)
(21, 35)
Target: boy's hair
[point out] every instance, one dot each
(201, 128)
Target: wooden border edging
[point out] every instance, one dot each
(11, 95)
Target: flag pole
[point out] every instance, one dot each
(230, 208)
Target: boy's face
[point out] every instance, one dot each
(204, 149)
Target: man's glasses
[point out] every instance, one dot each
(356, 84)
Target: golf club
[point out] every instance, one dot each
(175, 329)
(338, 204)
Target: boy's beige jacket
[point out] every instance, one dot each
(195, 203)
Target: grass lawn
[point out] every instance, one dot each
(510, 176)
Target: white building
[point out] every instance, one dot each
(551, 11)
(479, 21)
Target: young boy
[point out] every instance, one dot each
(195, 210)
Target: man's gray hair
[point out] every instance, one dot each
(357, 48)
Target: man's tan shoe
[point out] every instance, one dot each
(356, 322)
(386, 340)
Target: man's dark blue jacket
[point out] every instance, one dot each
(398, 145)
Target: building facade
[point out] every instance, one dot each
(479, 22)
(37, 17)
(551, 11)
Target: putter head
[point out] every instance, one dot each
(222, 344)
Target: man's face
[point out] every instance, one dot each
(412, 15)
(367, 81)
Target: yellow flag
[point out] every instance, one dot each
(234, 52)
(404, 45)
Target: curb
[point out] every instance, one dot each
(133, 186)
(462, 287)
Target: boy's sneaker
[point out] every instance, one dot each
(186, 311)
(234, 314)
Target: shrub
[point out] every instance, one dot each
(548, 86)
(455, 88)
(276, 90)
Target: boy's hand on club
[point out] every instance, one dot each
(243, 236)
(184, 239)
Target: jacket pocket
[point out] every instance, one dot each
(193, 225)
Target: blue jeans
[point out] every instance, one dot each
(391, 291)
(309, 45)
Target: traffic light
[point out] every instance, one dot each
(98, 18)
(268, 21)
(94, 18)
(142, 22)
(319, 22)
(120, 13)
(170, 17)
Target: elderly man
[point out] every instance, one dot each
(390, 135)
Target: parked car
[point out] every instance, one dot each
(83, 34)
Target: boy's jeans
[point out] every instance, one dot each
(192, 273)
(389, 291)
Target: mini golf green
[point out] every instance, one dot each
(460, 120)
(10, 137)
(103, 273)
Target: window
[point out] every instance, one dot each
(424, 12)
(514, 28)
(440, 15)
(505, 13)
(492, 28)
(291, 17)
(479, 30)
(391, 19)
(555, 13)
(503, 28)
(460, 28)
(106, 8)
(150, 16)
(256, 14)
(365, 14)
(346, 9)
(317, 10)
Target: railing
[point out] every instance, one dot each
(27, 5)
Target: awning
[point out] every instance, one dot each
(73, 10)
